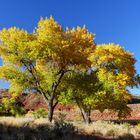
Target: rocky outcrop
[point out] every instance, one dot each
(33, 101)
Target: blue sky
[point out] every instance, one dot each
(113, 21)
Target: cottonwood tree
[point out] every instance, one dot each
(116, 69)
(105, 85)
(115, 65)
(38, 61)
(80, 88)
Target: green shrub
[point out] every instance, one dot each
(17, 111)
(10, 107)
(138, 125)
(126, 125)
(2, 109)
(40, 113)
(13, 110)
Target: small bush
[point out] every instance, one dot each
(17, 111)
(40, 113)
(61, 117)
(11, 110)
(62, 128)
(126, 125)
(111, 132)
(126, 136)
(138, 125)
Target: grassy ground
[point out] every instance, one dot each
(40, 129)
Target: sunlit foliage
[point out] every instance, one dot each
(38, 61)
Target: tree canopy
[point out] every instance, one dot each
(41, 62)
(38, 61)
(105, 84)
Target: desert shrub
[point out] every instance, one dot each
(137, 129)
(126, 136)
(138, 126)
(2, 110)
(126, 125)
(10, 107)
(14, 110)
(111, 132)
(40, 113)
(61, 117)
(105, 128)
(61, 128)
(17, 111)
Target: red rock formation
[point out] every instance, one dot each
(33, 101)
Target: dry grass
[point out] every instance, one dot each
(23, 128)
(109, 129)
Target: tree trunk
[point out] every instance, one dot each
(51, 107)
(51, 104)
(83, 114)
(86, 115)
(50, 112)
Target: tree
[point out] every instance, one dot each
(10, 106)
(80, 88)
(104, 86)
(38, 61)
(116, 66)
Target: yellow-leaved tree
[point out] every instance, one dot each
(105, 84)
(52, 59)
(116, 70)
(38, 61)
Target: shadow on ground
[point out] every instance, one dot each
(42, 132)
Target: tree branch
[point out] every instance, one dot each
(30, 68)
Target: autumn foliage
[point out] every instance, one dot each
(47, 60)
